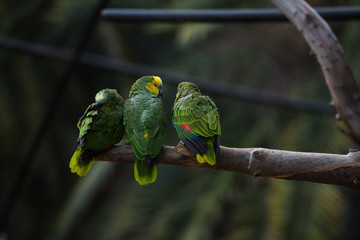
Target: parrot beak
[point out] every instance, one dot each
(160, 92)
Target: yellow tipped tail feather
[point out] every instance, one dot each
(209, 157)
(80, 167)
(145, 174)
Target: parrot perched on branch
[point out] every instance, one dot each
(197, 122)
(100, 127)
(144, 120)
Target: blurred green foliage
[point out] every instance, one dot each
(184, 203)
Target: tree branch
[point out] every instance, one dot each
(344, 91)
(260, 162)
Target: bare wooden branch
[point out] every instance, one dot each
(260, 162)
(344, 91)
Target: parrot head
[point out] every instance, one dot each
(149, 84)
(186, 88)
(108, 96)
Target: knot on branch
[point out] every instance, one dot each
(354, 154)
(254, 155)
(356, 181)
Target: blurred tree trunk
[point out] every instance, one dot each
(330, 55)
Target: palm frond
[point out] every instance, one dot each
(81, 198)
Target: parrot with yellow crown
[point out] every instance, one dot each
(144, 120)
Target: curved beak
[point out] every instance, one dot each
(160, 92)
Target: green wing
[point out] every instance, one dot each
(86, 120)
(100, 127)
(200, 113)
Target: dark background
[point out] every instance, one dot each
(184, 203)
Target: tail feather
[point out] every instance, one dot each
(81, 167)
(144, 173)
(210, 156)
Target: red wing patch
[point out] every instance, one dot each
(186, 127)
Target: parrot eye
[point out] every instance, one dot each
(155, 84)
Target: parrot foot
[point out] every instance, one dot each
(184, 150)
(110, 146)
(181, 142)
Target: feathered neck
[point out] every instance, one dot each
(185, 89)
(138, 87)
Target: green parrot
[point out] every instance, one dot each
(100, 127)
(144, 120)
(197, 122)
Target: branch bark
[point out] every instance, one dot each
(344, 91)
(260, 162)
